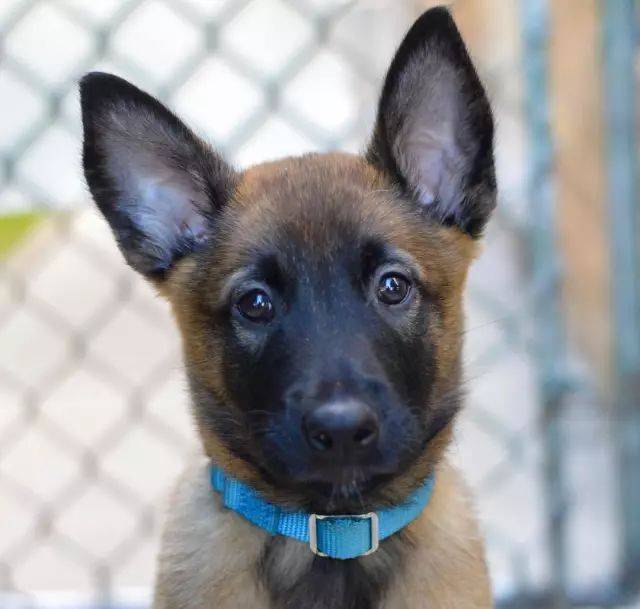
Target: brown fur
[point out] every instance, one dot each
(210, 555)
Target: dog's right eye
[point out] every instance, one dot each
(256, 306)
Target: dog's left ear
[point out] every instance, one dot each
(434, 129)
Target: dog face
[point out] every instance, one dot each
(319, 298)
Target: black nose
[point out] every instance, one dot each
(341, 428)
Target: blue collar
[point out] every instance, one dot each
(331, 536)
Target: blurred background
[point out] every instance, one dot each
(94, 423)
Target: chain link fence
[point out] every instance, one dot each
(94, 423)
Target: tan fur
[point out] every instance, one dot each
(209, 554)
(447, 568)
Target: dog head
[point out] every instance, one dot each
(319, 298)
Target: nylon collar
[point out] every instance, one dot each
(341, 537)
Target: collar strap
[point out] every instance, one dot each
(342, 537)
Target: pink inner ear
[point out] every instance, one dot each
(427, 146)
(168, 208)
(429, 157)
(420, 159)
(430, 162)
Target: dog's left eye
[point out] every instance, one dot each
(256, 306)
(393, 288)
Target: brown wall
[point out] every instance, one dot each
(583, 222)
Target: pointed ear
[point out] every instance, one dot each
(434, 131)
(158, 185)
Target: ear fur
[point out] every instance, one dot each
(158, 185)
(434, 130)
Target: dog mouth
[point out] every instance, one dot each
(348, 489)
(353, 491)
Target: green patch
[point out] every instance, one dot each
(14, 228)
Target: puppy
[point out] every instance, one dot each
(319, 300)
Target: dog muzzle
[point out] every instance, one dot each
(331, 536)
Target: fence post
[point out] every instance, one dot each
(619, 50)
(541, 254)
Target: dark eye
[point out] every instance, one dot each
(256, 306)
(393, 289)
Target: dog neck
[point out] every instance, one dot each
(339, 537)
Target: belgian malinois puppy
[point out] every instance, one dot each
(319, 300)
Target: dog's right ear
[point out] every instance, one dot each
(434, 131)
(158, 185)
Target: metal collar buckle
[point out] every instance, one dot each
(313, 531)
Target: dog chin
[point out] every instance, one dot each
(350, 490)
